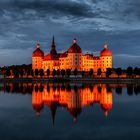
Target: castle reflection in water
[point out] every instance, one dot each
(71, 97)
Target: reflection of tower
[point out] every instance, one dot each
(75, 112)
(74, 104)
(106, 100)
(53, 108)
(37, 103)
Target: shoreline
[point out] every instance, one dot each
(71, 80)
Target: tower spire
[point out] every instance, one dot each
(53, 111)
(53, 42)
(53, 51)
(74, 41)
(105, 45)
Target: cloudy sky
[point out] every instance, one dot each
(23, 23)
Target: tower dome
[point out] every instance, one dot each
(37, 108)
(106, 107)
(106, 51)
(38, 52)
(75, 48)
(75, 112)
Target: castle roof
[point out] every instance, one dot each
(38, 52)
(63, 55)
(37, 108)
(51, 57)
(96, 58)
(74, 48)
(106, 51)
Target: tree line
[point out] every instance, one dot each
(16, 71)
(28, 88)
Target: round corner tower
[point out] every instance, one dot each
(37, 58)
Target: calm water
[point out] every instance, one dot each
(57, 112)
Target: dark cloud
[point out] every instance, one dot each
(25, 22)
(48, 7)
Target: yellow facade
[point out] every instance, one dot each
(37, 63)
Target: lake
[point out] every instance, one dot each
(35, 111)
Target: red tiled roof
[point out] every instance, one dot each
(74, 48)
(63, 54)
(106, 52)
(51, 57)
(38, 52)
(96, 58)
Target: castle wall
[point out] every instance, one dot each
(37, 63)
(106, 62)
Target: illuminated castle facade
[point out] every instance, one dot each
(72, 59)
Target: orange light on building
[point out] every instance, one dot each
(72, 59)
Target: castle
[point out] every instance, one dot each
(71, 59)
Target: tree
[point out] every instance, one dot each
(41, 88)
(75, 88)
(32, 73)
(36, 88)
(119, 90)
(136, 71)
(16, 73)
(21, 72)
(108, 72)
(63, 72)
(99, 72)
(83, 73)
(58, 72)
(91, 72)
(99, 89)
(68, 72)
(139, 72)
(41, 71)
(28, 72)
(54, 72)
(48, 72)
(8, 72)
(108, 88)
(129, 71)
(129, 90)
(118, 71)
(75, 71)
(36, 72)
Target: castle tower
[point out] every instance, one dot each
(106, 58)
(37, 58)
(75, 56)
